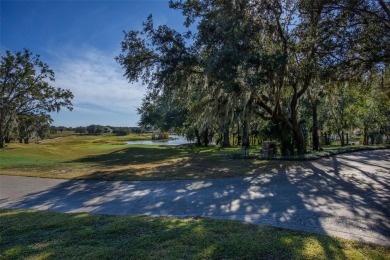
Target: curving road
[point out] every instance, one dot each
(346, 196)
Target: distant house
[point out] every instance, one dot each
(108, 130)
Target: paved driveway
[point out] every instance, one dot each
(346, 196)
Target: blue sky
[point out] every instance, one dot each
(79, 40)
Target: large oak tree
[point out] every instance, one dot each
(26, 92)
(257, 58)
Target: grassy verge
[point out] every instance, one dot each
(46, 235)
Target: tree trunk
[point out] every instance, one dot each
(365, 136)
(341, 136)
(206, 137)
(299, 139)
(315, 136)
(2, 138)
(226, 142)
(245, 134)
(198, 141)
(238, 134)
(2, 141)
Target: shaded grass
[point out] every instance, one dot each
(35, 234)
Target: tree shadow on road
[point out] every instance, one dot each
(359, 197)
(269, 199)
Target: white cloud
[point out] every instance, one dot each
(97, 81)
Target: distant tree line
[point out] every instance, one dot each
(97, 129)
(291, 71)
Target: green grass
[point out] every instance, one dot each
(46, 235)
(107, 157)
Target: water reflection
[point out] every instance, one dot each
(174, 140)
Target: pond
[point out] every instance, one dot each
(173, 140)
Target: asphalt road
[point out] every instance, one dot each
(346, 196)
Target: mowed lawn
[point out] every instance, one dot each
(26, 234)
(108, 158)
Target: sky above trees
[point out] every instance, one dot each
(79, 40)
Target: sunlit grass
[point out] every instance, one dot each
(33, 234)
